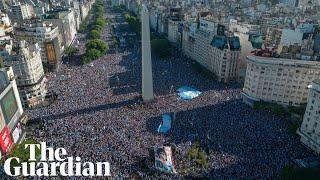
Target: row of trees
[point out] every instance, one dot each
(98, 22)
(133, 22)
(95, 47)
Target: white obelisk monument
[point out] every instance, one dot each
(147, 80)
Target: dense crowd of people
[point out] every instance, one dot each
(99, 116)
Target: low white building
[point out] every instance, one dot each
(277, 80)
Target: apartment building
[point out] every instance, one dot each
(19, 12)
(224, 57)
(273, 36)
(202, 47)
(27, 66)
(278, 80)
(188, 39)
(65, 20)
(174, 35)
(310, 127)
(47, 36)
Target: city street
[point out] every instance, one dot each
(99, 116)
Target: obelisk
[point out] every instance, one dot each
(147, 80)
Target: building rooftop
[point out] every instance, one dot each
(224, 42)
(283, 62)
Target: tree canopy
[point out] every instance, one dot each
(71, 51)
(94, 49)
(22, 153)
(93, 54)
(94, 34)
(97, 44)
(134, 23)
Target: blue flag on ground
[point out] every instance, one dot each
(165, 126)
(188, 93)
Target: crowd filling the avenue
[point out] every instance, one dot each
(195, 127)
(99, 116)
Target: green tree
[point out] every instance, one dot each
(22, 153)
(85, 60)
(97, 27)
(93, 54)
(94, 34)
(83, 26)
(71, 51)
(196, 154)
(99, 22)
(134, 23)
(97, 44)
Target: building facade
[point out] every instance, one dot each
(174, 35)
(20, 12)
(27, 66)
(225, 57)
(310, 127)
(65, 20)
(277, 80)
(202, 47)
(47, 36)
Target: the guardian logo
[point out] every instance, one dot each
(54, 163)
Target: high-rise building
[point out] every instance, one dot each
(273, 36)
(174, 36)
(203, 38)
(19, 12)
(310, 127)
(224, 57)
(188, 39)
(3, 5)
(218, 52)
(65, 20)
(27, 66)
(46, 35)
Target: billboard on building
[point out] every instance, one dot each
(51, 53)
(5, 140)
(164, 159)
(9, 106)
